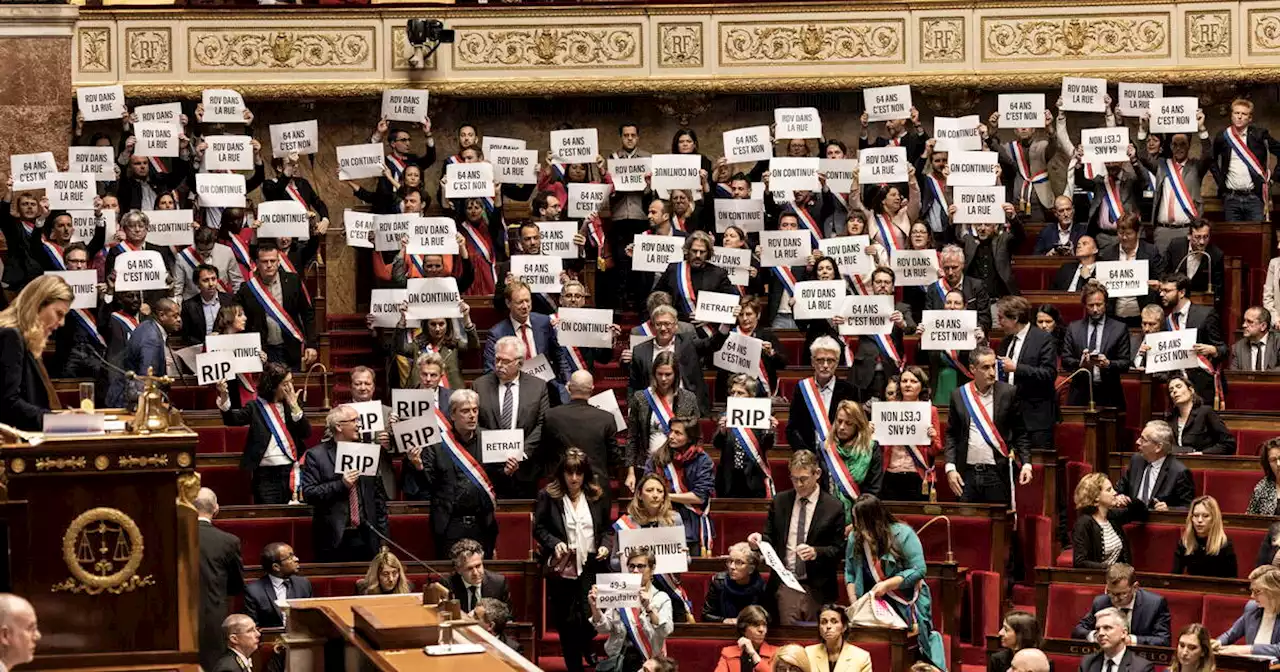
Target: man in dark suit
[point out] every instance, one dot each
(140, 177)
(201, 310)
(148, 350)
(1241, 154)
(1100, 344)
(952, 265)
(136, 225)
(289, 186)
(704, 275)
(1072, 275)
(221, 576)
(1182, 314)
(1113, 640)
(1028, 359)
(978, 468)
(1155, 476)
(1258, 349)
(1059, 237)
(280, 581)
(578, 424)
(825, 354)
(573, 294)
(688, 352)
(470, 581)
(1174, 175)
(1119, 180)
(1131, 247)
(1144, 614)
(239, 638)
(530, 243)
(534, 331)
(806, 527)
(512, 399)
(1199, 259)
(344, 505)
(872, 365)
(276, 307)
(989, 254)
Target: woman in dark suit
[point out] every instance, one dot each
(740, 473)
(1019, 631)
(648, 432)
(269, 462)
(1197, 428)
(1098, 540)
(572, 526)
(26, 392)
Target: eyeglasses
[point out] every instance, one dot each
(637, 566)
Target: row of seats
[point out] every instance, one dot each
(1071, 601)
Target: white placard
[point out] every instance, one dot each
(100, 162)
(384, 305)
(747, 214)
(608, 401)
(1135, 99)
(584, 327)
(819, 299)
(468, 180)
(170, 228)
(359, 227)
(417, 431)
(751, 412)
(748, 144)
(369, 417)
(1109, 144)
(84, 284)
(70, 191)
(156, 139)
(1123, 278)
(187, 356)
(978, 205)
(412, 403)
(617, 591)
(850, 254)
(577, 145)
(1084, 94)
(283, 218)
(404, 105)
(433, 235)
(628, 174)
(101, 103)
(956, 134)
(667, 543)
(797, 123)
(540, 272)
(785, 248)
(884, 103)
(213, 367)
(354, 456)
(677, 171)
(228, 152)
(840, 173)
(557, 239)
(539, 367)
(86, 222)
(655, 253)
(245, 349)
(220, 190)
(716, 307)
(390, 228)
(775, 563)
(1171, 350)
(300, 137)
(735, 261)
(1174, 115)
(739, 354)
(586, 199)
(514, 166)
(882, 165)
(789, 173)
(161, 113)
(757, 191)
(431, 298)
(971, 169)
(949, 330)
(866, 315)
(29, 171)
(222, 106)
(357, 162)
(902, 423)
(915, 268)
(1021, 110)
(492, 143)
(496, 445)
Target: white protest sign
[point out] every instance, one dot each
(245, 349)
(949, 329)
(430, 298)
(170, 228)
(412, 403)
(1171, 350)
(735, 261)
(887, 102)
(359, 228)
(775, 563)
(404, 105)
(666, 542)
(283, 218)
(883, 165)
(748, 144)
(751, 412)
(433, 235)
(1135, 99)
(361, 457)
(100, 162)
(70, 191)
(1084, 94)
(584, 327)
(757, 190)
(300, 137)
(86, 223)
(972, 169)
(84, 284)
(1174, 115)
(514, 166)
(384, 305)
(915, 268)
(956, 134)
(1105, 144)
(840, 173)
(157, 139)
(221, 190)
(101, 103)
(29, 171)
(468, 180)
(866, 315)
(608, 401)
(357, 162)
(1021, 110)
(628, 174)
(676, 171)
(655, 253)
(369, 416)
(739, 354)
(417, 431)
(540, 272)
(797, 123)
(1123, 278)
(784, 248)
(577, 145)
(557, 239)
(716, 307)
(213, 367)
(162, 113)
(492, 143)
(222, 106)
(850, 254)
(496, 445)
(978, 205)
(390, 228)
(902, 423)
(819, 299)
(789, 173)
(539, 367)
(228, 152)
(746, 214)
(586, 199)
(617, 591)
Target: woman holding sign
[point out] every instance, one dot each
(26, 392)
(744, 452)
(636, 634)
(891, 213)
(651, 507)
(480, 222)
(651, 410)
(772, 357)
(905, 480)
(691, 475)
(437, 336)
(951, 366)
(853, 463)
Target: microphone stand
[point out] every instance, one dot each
(951, 557)
(1208, 266)
(444, 601)
(1092, 406)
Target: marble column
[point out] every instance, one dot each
(35, 81)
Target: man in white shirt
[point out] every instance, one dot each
(978, 468)
(1113, 639)
(19, 631)
(1237, 152)
(242, 637)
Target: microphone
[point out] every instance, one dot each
(431, 571)
(1208, 267)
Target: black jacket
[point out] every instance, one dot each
(20, 266)
(221, 576)
(260, 599)
(1148, 620)
(746, 483)
(1130, 662)
(708, 277)
(549, 530)
(800, 429)
(1210, 274)
(23, 397)
(1174, 485)
(194, 328)
(295, 303)
(688, 362)
(276, 190)
(1258, 140)
(1114, 343)
(1204, 432)
(722, 602)
(492, 585)
(255, 445)
(322, 488)
(1034, 378)
(1086, 538)
(975, 298)
(578, 424)
(1200, 563)
(441, 483)
(1007, 416)
(826, 536)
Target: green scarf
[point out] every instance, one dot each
(858, 461)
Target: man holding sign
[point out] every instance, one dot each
(276, 307)
(344, 492)
(903, 132)
(1177, 181)
(146, 178)
(1026, 159)
(513, 399)
(289, 185)
(1100, 344)
(684, 279)
(1211, 348)
(878, 355)
(979, 467)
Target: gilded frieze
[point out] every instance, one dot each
(1050, 38)
(1264, 31)
(942, 39)
(94, 49)
(297, 48)
(1208, 33)
(148, 50)
(680, 45)
(828, 42)
(523, 47)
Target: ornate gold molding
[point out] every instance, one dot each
(94, 49)
(47, 463)
(1264, 31)
(524, 47)
(1049, 38)
(102, 549)
(131, 461)
(402, 51)
(756, 43)
(680, 45)
(293, 48)
(942, 39)
(1208, 34)
(148, 50)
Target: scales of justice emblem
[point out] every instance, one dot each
(103, 549)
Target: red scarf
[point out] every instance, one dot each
(686, 456)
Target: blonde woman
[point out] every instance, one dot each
(386, 576)
(651, 507)
(1098, 540)
(1258, 618)
(853, 463)
(791, 658)
(26, 392)
(1204, 549)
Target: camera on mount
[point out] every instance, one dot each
(425, 36)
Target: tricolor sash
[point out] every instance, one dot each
(877, 575)
(661, 409)
(126, 246)
(677, 223)
(1111, 196)
(273, 309)
(1179, 187)
(292, 190)
(125, 320)
(817, 408)
(302, 282)
(952, 359)
(158, 164)
(483, 246)
(1029, 180)
(672, 582)
(722, 191)
(191, 257)
(595, 228)
(849, 350)
(452, 159)
(396, 165)
(684, 286)
(463, 460)
(1241, 147)
(706, 535)
(840, 475)
(887, 229)
(89, 324)
(579, 360)
(888, 350)
(274, 420)
(939, 192)
(635, 631)
(55, 253)
(643, 329)
(918, 460)
(787, 278)
(28, 226)
(746, 439)
(806, 222)
(942, 287)
(240, 250)
(982, 419)
(857, 285)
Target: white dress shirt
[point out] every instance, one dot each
(246, 663)
(1170, 211)
(796, 536)
(1017, 347)
(530, 343)
(579, 528)
(611, 623)
(274, 456)
(979, 452)
(1238, 175)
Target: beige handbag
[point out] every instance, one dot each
(872, 612)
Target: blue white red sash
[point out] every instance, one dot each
(578, 359)
(672, 582)
(952, 359)
(292, 190)
(464, 460)
(274, 420)
(89, 324)
(787, 278)
(857, 286)
(643, 329)
(939, 193)
(706, 535)
(595, 228)
(887, 229)
(483, 246)
(1029, 180)
(302, 282)
(979, 416)
(806, 222)
(661, 409)
(849, 350)
(918, 460)
(1111, 196)
(888, 350)
(840, 474)
(396, 165)
(273, 309)
(1179, 188)
(55, 253)
(241, 252)
(812, 397)
(192, 258)
(126, 246)
(29, 227)
(1259, 169)
(452, 159)
(158, 164)
(635, 631)
(684, 286)
(746, 438)
(677, 223)
(125, 320)
(877, 575)
(942, 287)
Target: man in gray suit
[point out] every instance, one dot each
(687, 351)
(1025, 161)
(512, 399)
(1258, 350)
(1170, 214)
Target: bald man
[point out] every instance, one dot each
(241, 636)
(221, 576)
(1029, 660)
(578, 424)
(19, 631)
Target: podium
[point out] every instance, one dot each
(103, 541)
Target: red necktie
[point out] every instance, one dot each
(353, 502)
(528, 347)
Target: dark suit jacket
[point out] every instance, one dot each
(1242, 354)
(1131, 662)
(975, 298)
(260, 599)
(295, 304)
(1246, 628)
(1208, 325)
(1210, 274)
(129, 189)
(1048, 238)
(275, 190)
(1204, 432)
(1149, 620)
(493, 585)
(1007, 416)
(688, 362)
(255, 445)
(23, 397)
(863, 372)
(1113, 343)
(800, 429)
(1086, 537)
(1005, 244)
(194, 327)
(1174, 485)
(578, 424)
(1155, 268)
(322, 488)
(1065, 274)
(1035, 376)
(709, 277)
(778, 360)
(221, 576)
(1259, 141)
(549, 530)
(145, 351)
(441, 483)
(114, 251)
(826, 536)
(544, 340)
(530, 411)
(226, 661)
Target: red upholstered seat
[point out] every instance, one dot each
(212, 440)
(970, 540)
(983, 604)
(695, 585)
(1063, 661)
(1132, 388)
(1220, 611)
(1251, 395)
(340, 586)
(1068, 602)
(734, 526)
(521, 610)
(1031, 495)
(255, 533)
(231, 484)
(696, 654)
(1248, 441)
(414, 533)
(1184, 608)
(1246, 543)
(1153, 545)
(1068, 440)
(1231, 488)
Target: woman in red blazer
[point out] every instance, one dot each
(908, 473)
(750, 653)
